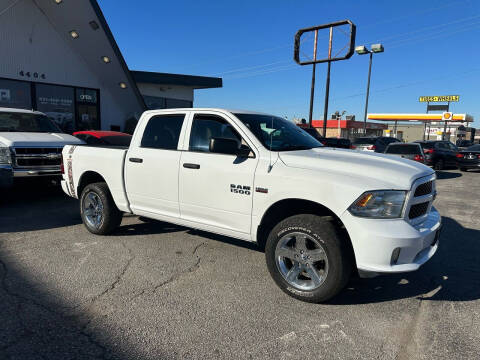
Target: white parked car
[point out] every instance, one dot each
(30, 145)
(320, 212)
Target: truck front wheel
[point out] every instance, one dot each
(99, 213)
(307, 258)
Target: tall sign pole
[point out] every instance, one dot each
(296, 55)
(312, 90)
(327, 85)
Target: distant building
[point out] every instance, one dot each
(60, 57)
(349, 128)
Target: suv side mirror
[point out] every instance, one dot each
(228, 146)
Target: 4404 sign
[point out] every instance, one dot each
(440, 98)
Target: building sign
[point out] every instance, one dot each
(440, 98)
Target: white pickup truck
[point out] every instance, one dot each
(30, 146)
(320, 212)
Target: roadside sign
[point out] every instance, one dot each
(446, 116)
(440, 98)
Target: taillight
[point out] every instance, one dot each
(428, 151)
(62, 168)
(418, 158)
(460, 156)
(354, 147)
(323, 142)
(478, 156)
(371, 147)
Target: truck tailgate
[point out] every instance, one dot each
(83, 161)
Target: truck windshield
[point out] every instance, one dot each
(24, 122)
(278, 134)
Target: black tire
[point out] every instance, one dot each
(111, 217)
(440, 164)
(336, 248)
(463, 169)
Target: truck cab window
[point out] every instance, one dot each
(206, 127)
(163, 132)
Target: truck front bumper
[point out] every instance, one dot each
(392, 245)
(6, 176)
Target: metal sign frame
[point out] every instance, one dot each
(298, 35)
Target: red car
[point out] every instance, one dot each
(109, 138)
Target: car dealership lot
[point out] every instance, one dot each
(154, 290)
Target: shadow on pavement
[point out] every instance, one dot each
(36, 206)
(453, 274)
(34, 324)
(442, 175)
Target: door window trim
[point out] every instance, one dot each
(229, 120)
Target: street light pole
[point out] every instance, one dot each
(368, 93)
(362, 50)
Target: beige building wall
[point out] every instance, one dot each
(407, 132)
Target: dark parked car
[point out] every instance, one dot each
(315, 134)
(337, 143)
(469, 158)
(412, 151)
(463, 144)
(377, 143)
(329, 142)
(440, 153)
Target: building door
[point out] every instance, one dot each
(87, 117)
(87, 109)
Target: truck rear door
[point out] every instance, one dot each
(152, 164)
(216, 189)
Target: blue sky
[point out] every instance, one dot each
(431, 48)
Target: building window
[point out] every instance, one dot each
(15, 94)
(57, 102)
(157, 102)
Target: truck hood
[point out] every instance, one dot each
(392, 172)
(37, 139)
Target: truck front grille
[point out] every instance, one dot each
(28, 157)
(418, 210)
(424, 189)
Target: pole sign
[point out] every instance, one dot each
(440, 98)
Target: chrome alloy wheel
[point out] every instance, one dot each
(93, 209)
(301, 260)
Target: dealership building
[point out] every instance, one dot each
(60, 57)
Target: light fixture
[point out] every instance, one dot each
(377, 48)
(122, 85)
(105, 59)
(58, 1)
(94, 25)
(360, 50)
(74, 34)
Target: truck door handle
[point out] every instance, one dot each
(191, 166)
(136, 160)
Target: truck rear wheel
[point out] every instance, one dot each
(307, 258)
(99, 213)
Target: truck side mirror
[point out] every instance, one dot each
(228, 146)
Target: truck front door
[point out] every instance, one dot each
(151, 167)
(216, 189)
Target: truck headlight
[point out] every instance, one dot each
(5, 157)
(381, 204)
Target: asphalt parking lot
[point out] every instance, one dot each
(158, 291)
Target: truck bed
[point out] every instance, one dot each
(106, 161)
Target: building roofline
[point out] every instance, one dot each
(116, 50)
(197, 82)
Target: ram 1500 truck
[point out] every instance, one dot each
(30, 146)
(321, 213)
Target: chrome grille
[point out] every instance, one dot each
(424, 189)
(420, 199)
(29, 157)
(418, 210)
